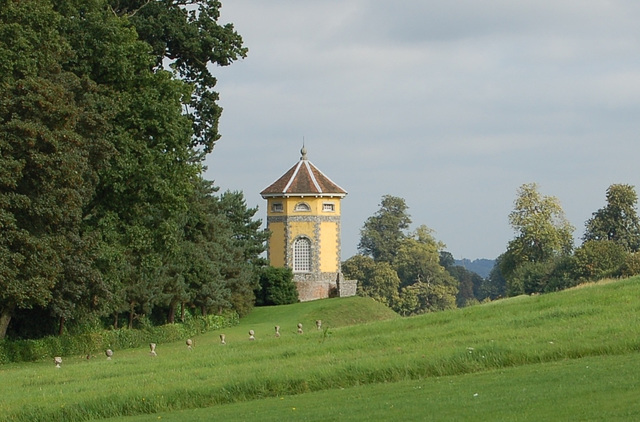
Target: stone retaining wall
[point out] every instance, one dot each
(311, 286)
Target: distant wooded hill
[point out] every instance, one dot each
(479, 266)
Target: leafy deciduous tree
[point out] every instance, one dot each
(617, 221)
(598, 259)
(425, 284)
(542, 233)
(377, 280)
(99, 161)
(382, 233)
(186, 33)
(48, 118)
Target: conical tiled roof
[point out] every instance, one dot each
(303, 179)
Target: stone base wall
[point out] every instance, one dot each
(313, 290)
(347, 288)
(323, 285)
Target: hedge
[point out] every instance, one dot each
(123, 338)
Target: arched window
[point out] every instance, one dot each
(302, 206)
(302, 255)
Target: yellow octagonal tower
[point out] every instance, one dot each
(303, 215)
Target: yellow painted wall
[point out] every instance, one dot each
(329, 247)
(328, 242)
(301, 228)
(276, 245)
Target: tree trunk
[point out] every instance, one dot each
(115, 320)
(5, 317)
(131, 314)
(172, 313)
(61, 326)
(182, 312)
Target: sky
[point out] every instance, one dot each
(450, 105)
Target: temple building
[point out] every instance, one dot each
(303, 215)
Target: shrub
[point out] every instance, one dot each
(631, 265)
(530, 277)
(598, 259)
(563, 275)
(276, 287)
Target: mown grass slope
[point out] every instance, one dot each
(596, 388)
(591, 322)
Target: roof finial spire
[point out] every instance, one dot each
(303, 151)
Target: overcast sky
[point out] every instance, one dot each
(451, 105)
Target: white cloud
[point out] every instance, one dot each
(451, 105)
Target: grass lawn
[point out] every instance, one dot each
(602, 388)
(571, 355)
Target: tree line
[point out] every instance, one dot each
(399, 267)
(107, 110)
(411, 271)
(542, 257)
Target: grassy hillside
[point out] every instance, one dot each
(332, 312)
(594, 322)
(598, 388)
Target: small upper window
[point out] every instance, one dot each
(328, 207)
(302, 206)
(277, 207)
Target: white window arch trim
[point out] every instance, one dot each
(302, 206)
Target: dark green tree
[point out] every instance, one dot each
(81, 293)
(99, 159)
(421, 297)
(469, 282)
(469, 285)
(531, 277)
(51, 122)
(494, 286)
(220, 252)
(631, 266)
(618, 221)
(276, 287)
(247, 232)
(248, 242)
(447, 260)
(186, 34)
